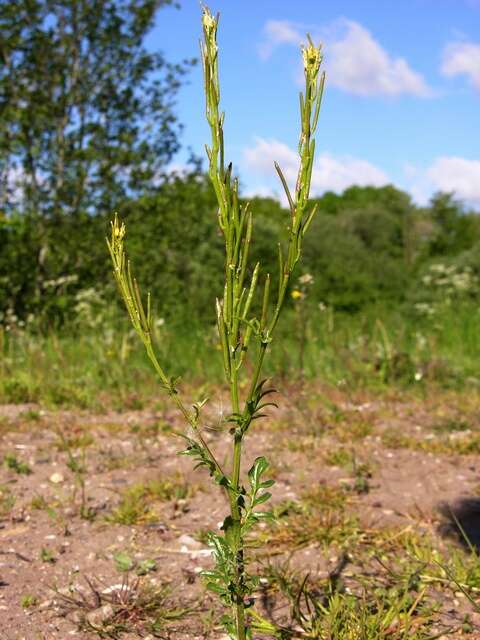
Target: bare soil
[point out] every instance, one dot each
(49, 554)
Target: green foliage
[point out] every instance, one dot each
(135, 505)
(244, 330)
(61, 263)
(13, 463)
(86, 110)
(7, 501)
(28, 600)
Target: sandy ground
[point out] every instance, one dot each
(49, 555)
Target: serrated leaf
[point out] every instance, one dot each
(201, 456)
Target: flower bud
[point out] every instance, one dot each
(312, 58)
(209, 22)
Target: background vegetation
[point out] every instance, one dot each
(88, 126)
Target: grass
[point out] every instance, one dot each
(137, 503)
(346, 354)
(318, 612)
(340, 457)
(7, 501)
(448, 443)
(298, 524)
(137, 606)
(28, 600)
(18, 466)
(363, 581)
(398, 583)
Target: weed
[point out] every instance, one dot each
(40, 503)
(135, 506)
(340, 457)
(79, 439)
(299, 524)
(125, 563)
(75, 447)
(301, 444)
(362, 475)
(449, 443)
(352, 431)
(46, 555)
(145, 566)
(394, 440)
(28, 600)
(19, 390)
(361, 617)
(132, 508)
(324, 497)
(7, 501)
(244, 328)
(451, 425)
(326, 610)
(135, 606)
(31, 414)
(13, 463)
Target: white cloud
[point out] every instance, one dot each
(278, 32)
(335, 173)
(355, 61)
(462, 176)
(462, 58)
(329, 173)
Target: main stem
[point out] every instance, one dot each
(239, 607)
(233, 309)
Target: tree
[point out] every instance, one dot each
(86, 112)
(455, 229)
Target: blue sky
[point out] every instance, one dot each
(402, 98)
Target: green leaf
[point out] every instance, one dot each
(215, 587)
(198, 452)
(262, 498)
(146, 566)
(258, 468)
(123, 561)
(232, 533)
(266, 484)
(263, 515)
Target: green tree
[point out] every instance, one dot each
(86, 112)
(455, 230)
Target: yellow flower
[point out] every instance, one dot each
(209, 21)
(312, 58)
(118, 230)
(296, 294)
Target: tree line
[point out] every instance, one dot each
(367, 246)
(88, 126)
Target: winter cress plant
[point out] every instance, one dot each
(244, 334)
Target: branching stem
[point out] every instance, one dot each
(240, 320)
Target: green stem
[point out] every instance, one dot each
(190, 419)
(239, 608)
